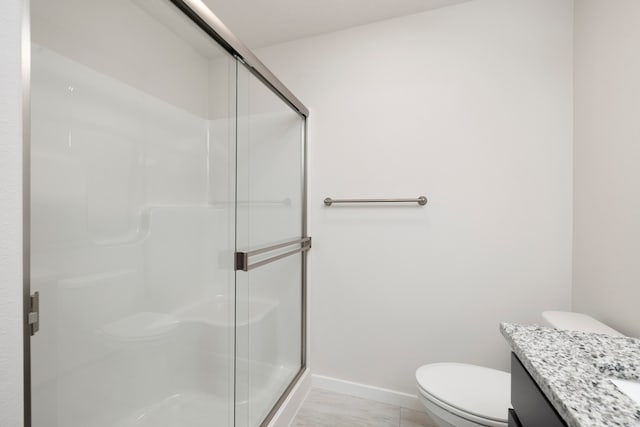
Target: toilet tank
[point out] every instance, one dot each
(569, 321)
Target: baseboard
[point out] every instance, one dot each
(392, 397)
(292, 404)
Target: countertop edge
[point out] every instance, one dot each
(548, 392)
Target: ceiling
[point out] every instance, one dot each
(259, 23)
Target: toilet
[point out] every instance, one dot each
(462, 395)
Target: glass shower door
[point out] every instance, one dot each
(270, 245)
(133, 217)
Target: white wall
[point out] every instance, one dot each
(11, 214)
(471, 106)
(607, 155)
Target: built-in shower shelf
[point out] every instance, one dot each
(219, 311)
(142, 326)
(215, 312)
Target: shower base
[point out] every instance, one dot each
(199, 409)
(189, 409)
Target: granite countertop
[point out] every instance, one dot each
(573, 369)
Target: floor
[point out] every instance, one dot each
(328, 409)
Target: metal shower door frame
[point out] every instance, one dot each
(204, 18)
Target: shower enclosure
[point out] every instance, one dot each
(167, 224)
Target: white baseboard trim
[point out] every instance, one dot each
(392, 397)
(294, 401)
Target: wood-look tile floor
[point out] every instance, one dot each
(324, 408)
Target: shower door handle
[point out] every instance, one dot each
(241, 259)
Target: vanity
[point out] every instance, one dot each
(566, 378)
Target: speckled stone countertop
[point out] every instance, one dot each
(573, 369)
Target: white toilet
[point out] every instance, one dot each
(461, 395)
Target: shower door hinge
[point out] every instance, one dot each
(33, 317)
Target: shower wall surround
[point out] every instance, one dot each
(155, 155)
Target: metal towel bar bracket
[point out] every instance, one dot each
(421, 200)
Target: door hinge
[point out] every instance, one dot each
(33, 317)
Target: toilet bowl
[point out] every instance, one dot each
(462, 395)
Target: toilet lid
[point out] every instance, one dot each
(476, 390)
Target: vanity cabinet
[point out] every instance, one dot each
(531, 408)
